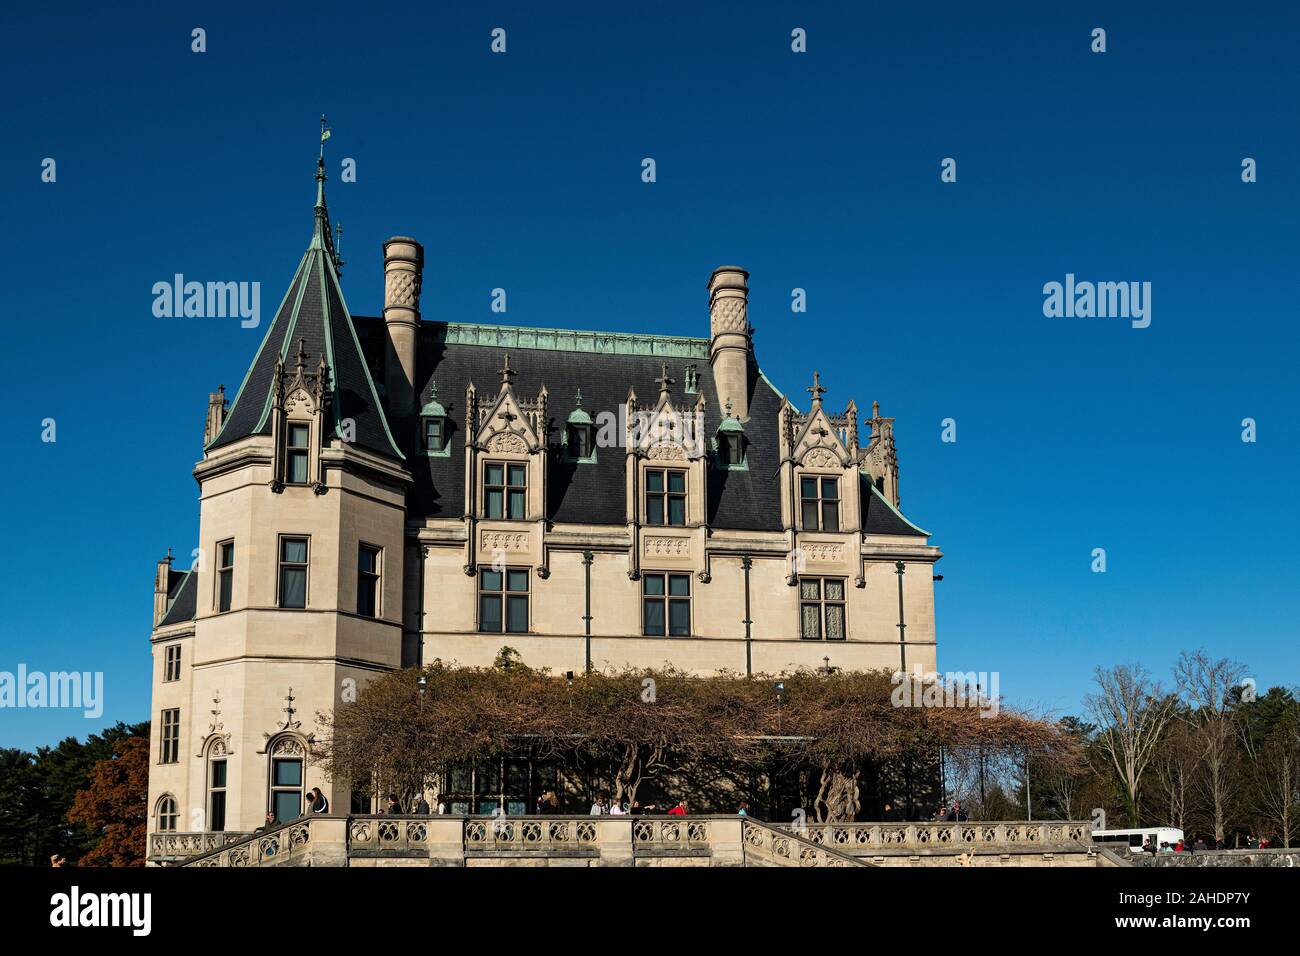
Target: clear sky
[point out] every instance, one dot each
(819, 171)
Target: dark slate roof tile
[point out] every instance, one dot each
(182, 599)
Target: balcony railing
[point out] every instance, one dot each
(617, 841)
(769, 846)
(273, 847)
(172, 846)
(860, 837)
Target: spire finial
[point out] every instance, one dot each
(322, 236)
(507, 373)
(816, 388)
(728, 408)
(578, 398)
(302, 353)
(875, 409)
(664, 382)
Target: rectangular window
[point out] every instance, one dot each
(820, 501)
(172, 663)
(293, 572)
(170, 750)
(368, 581)
(504, 489)
(665, 497)
(503, 601)
(217, 796)
(732, 449)
(580, 441)
(299, 444)
(433, 434)
(666, 604)
(225, 574)
(286, 789)
(821, 609)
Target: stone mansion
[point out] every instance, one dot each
(385, 491)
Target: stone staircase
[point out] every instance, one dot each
(366, 841)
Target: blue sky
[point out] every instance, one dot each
(818, 171)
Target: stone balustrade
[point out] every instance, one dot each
(768, 846)
(287, 845)
(867, 838)
(173, 847)
(443, 840)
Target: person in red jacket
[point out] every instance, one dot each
(679, 810)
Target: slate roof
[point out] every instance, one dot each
(182, 598)
(314, 313)
(603, 367)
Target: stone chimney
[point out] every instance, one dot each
(162, 580)
(403, 273)
(216, 414)
(730, 345)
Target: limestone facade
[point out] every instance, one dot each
(358, 513)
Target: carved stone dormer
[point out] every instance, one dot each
(299, 402)
(505, 470)
(663, 431)
(880, 459)
(819, 439)
(216, 414)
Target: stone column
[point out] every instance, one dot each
(730, 345)
(403, 275)
(614, 838)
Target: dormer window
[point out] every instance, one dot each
(820, 503)
(434, 426)
(504, 488)
(729, 444)
(580, 442)
(299, 453)
(434, 438)
(731, 450)
(579, 434)
(665, 497)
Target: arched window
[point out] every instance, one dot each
(167, 813)
(287, 762)
(217, 783)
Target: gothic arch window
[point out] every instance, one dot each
(167, 813)
(287, 759)
(217, 776)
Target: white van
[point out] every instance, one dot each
(1134, 839)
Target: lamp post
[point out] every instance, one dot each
(899, 568)
(586, 617)
(746, 563)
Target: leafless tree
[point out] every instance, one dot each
(1204, 685)
(1131, 712)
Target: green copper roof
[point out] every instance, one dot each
(569, 340)
(314, 317)
(433, 408)
(578, 416)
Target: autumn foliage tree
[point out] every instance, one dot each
(634, 725)
(115, 805)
